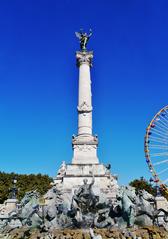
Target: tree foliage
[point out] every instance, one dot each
(25, 183)
(141, 184)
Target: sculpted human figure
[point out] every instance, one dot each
(83, 38)
(86, 189)
(84, 197)
(102, 218)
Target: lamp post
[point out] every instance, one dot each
(11, 202)
(14, 189)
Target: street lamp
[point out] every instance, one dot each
(14, 189)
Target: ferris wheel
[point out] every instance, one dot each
(156, 148)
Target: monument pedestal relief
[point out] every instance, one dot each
(85, 162)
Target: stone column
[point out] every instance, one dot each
(85, 95)
(84, 144)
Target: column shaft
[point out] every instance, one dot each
(84, 101)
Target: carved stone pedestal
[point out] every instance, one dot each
(71, 176)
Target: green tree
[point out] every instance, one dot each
(141, 184)
(25, 183)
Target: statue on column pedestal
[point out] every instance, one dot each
(83, 38)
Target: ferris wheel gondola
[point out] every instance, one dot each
(156, 148)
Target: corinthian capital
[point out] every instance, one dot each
(84, 57)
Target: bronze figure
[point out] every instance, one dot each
(83, 38)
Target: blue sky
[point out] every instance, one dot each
(39, 80)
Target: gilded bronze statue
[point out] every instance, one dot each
(83, 38)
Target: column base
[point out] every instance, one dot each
(85, 149)
(85, 154)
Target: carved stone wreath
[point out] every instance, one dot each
(84, 107)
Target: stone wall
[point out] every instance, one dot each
(114, 233)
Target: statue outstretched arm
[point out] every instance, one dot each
(90, 33)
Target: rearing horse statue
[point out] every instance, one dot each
(128, 200)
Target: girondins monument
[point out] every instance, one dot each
(85, 163)
(85, 194)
